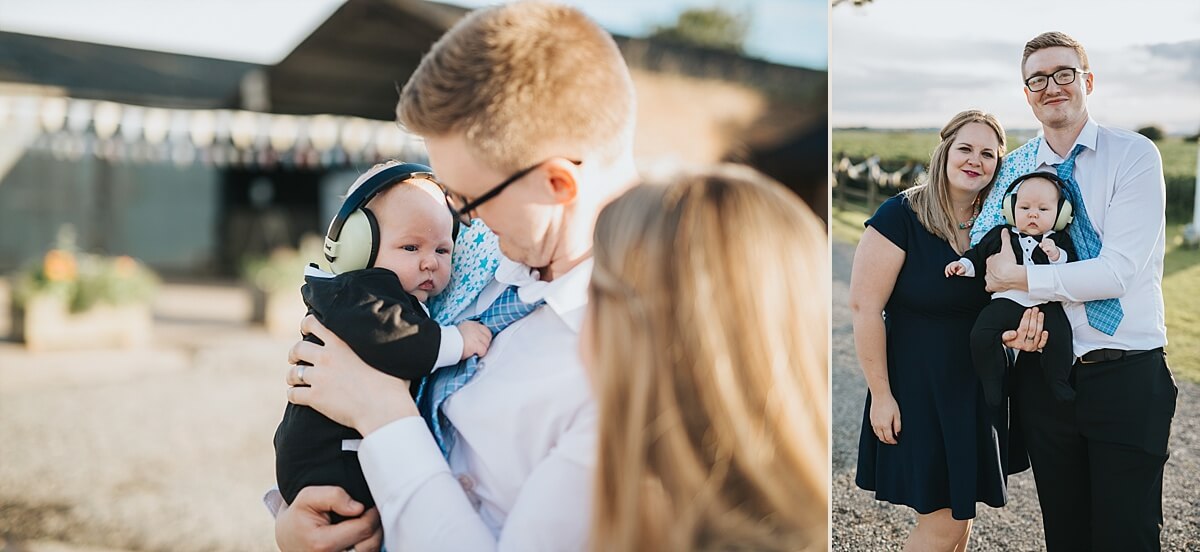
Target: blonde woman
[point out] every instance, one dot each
(706, 340)
(928, 439)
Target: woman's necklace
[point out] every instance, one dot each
(971, 221)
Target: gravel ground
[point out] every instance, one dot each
(862, 523)
(165, 448)
(169, 448)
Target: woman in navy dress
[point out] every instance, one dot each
(928, 440)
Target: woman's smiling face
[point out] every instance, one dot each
(972, 158)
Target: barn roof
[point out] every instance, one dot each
(97, 71)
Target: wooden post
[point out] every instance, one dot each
(1191, 232)
(872, 193)
(840, 196)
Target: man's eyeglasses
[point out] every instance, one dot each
(1062, 77)
(462, 208)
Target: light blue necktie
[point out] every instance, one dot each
(1103, 314)
(435, 389)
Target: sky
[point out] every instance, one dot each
(915, 63)
(264, 31)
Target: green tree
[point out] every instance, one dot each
(1152, 132)
(707, 28)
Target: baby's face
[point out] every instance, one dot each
(414, 238)
(1037, 206)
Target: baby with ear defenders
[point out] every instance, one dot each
(388, 251)
(1037, 210)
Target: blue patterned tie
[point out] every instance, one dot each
(436, 388)
(1103, 314)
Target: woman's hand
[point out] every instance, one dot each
(885, 418)
(304, 525)
(341, 386)
(1029, 335)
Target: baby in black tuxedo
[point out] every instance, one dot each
(380, 312)
(1032, 216)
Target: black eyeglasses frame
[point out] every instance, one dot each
(463, 213)
(1072, 71)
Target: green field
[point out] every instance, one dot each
(1181, 291)
(896, 148)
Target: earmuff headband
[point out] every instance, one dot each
(1066, 210)
(1062, 185)
(371, 188)
(356, 225)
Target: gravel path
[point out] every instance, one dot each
(169, 448)
(862, 523)
(164, 448)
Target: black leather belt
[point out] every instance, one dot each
(1109, 355)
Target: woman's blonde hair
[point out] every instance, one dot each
(931, 200)
(710, 306)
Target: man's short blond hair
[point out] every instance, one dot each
(523, 80)
(1051, 40)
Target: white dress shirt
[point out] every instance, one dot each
(520, 473)
(1121, 179)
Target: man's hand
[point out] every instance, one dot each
(338, 384)
(304, 525)
(1050, 248)
(1003, 272)
(1029, 335)
(476, 339)
(955, 268)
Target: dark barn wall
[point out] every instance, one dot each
(159, 213)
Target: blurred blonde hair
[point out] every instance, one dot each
(1051, 40)
(931, 199)
(710, 306)
(519, 79)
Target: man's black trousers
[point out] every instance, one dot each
(1098, 460)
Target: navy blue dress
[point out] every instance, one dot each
(952, 450)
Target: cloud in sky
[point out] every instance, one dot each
(916, 67)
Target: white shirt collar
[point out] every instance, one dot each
(1087, 137)
(564, 295)
(512, 273)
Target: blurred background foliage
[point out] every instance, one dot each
(82, 280)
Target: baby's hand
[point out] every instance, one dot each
(476, 339)
(1050, 248)
(955, 268)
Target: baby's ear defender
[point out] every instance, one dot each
(1066, 211)
(352, 242)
